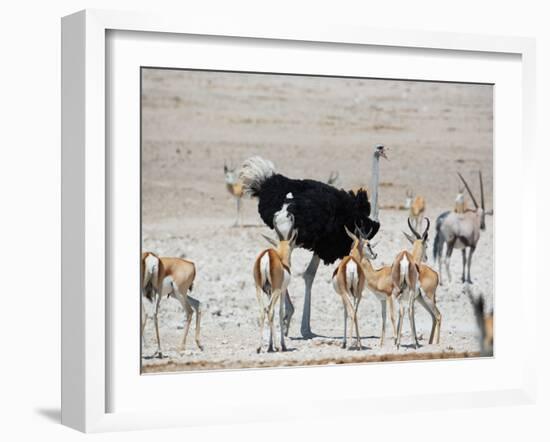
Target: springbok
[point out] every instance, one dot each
(349, 280)
(405, 274)
(460, 231)
(235, 188)
(164, 277)
(428, 280)
(272, 275)
(460, 202)
(416, 206)
(484, 322)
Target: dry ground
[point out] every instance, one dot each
(308, 126)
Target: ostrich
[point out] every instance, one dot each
(320, 213)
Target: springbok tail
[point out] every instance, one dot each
(254, 171)
(403, 272)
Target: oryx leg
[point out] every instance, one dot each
(309, 277)
(450, 247)
(470, 253)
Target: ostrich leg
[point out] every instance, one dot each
(309, 276)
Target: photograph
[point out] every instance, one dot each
(309, 220)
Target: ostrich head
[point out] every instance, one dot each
(230, 173)
(380, 151)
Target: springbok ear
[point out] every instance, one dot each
(373, 244)
(270, 240)
(489, 212)
(293, 237)
(409, 237)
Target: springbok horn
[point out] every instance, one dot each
(415, 233)
(270, 240)
(482, 194)
(279, 234)
(351, 235)
(425, 234)
(468, 189)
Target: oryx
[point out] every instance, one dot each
(460, 231)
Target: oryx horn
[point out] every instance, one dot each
(468, 189)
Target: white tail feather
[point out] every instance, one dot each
(254, 171)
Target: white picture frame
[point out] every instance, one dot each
(87, 205)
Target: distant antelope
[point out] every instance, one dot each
(460, 231)
(484, 322)
(460, 202)
(428, 281)
(164, 277)
(416, 206)
(406, 282)
(235, 187)
(272, 275)
(349, 280)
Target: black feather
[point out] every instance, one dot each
(320, 212)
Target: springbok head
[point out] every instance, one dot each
(409, 199)
(361, 241)
(285, 244)
(230, 173)
(479, 209)
(418, 240)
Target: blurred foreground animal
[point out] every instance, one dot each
(235, 188)
(349, 280)
(164, 277)
(460, 231)
(272, 276)
(484, 322)
(320, 212)
(416, 206)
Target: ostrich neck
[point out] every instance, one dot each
(374, 186)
